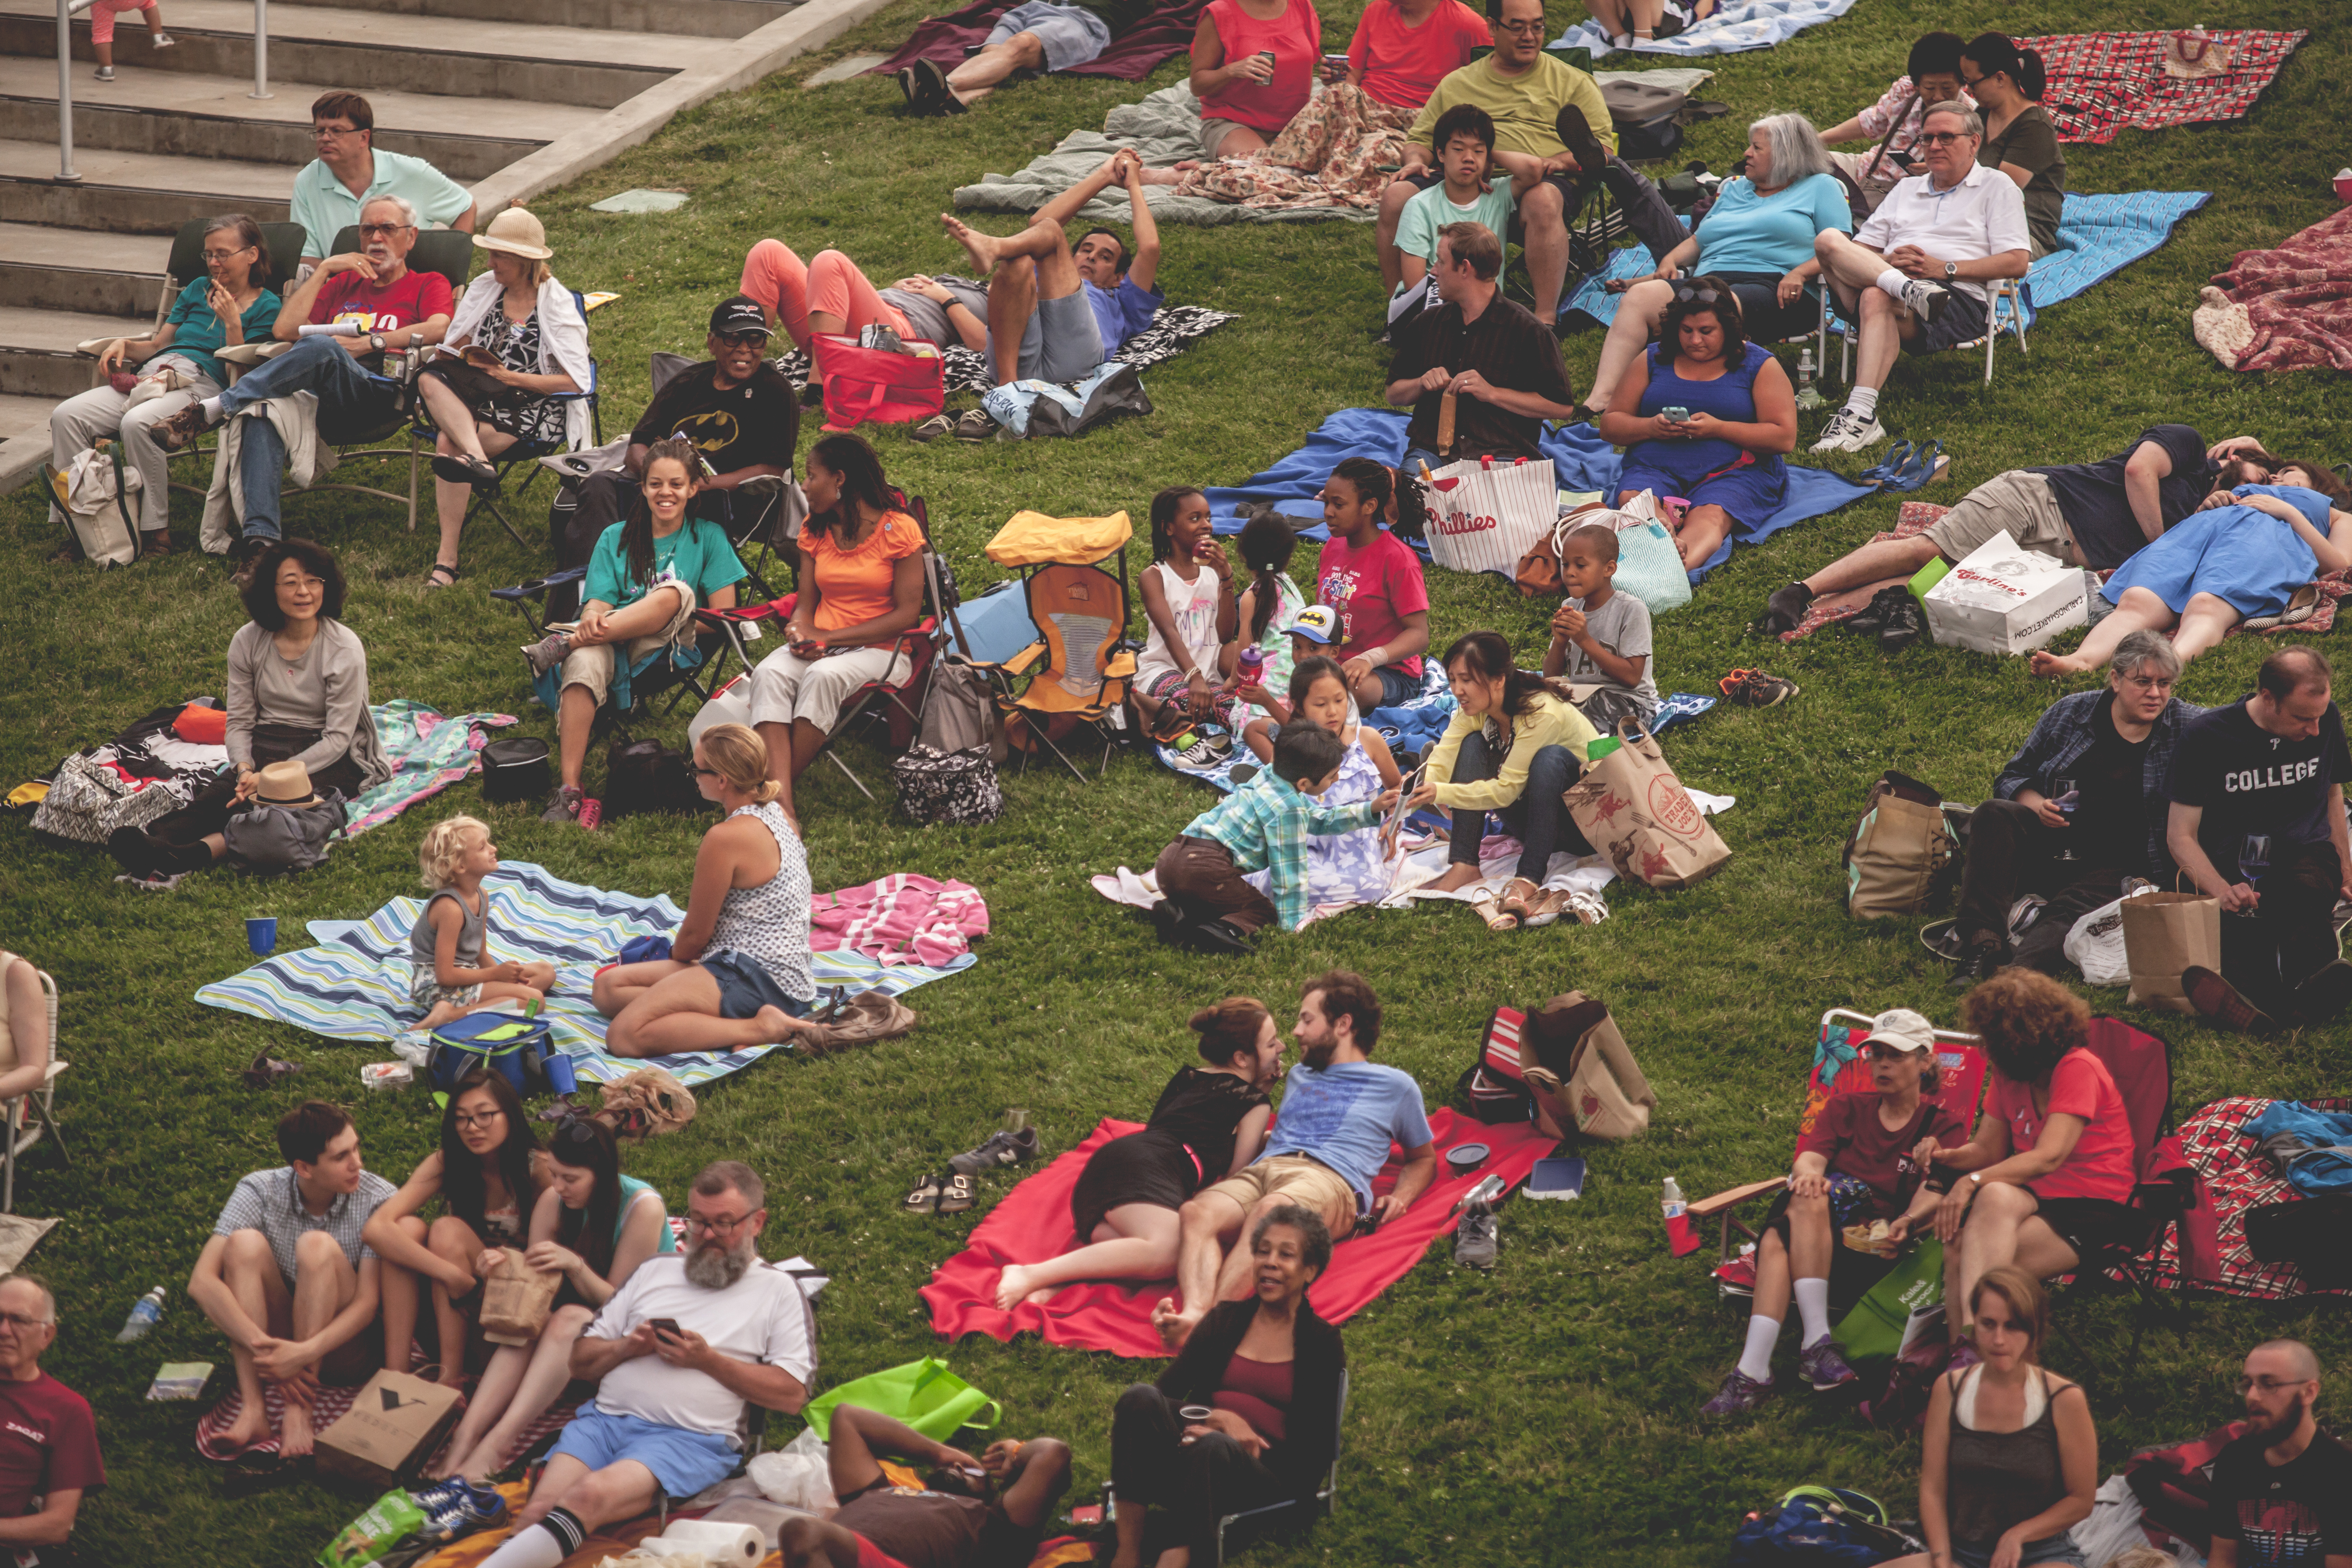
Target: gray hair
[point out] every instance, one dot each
(2142, 649)
(407, 209)
(1971, 124)
(1794, 146)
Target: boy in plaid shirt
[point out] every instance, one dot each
(1263, 826)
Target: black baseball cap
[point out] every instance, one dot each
(740, 314)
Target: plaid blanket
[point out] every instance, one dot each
(2101, 83)
(2237, 1178)
(2287, 309)
(353, 985)
(968, 370)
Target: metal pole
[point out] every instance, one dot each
(65, 92)
(260, 51)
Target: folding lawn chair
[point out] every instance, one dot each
(35, 1111)
(2005, 311)
(1077, 674)
(1297, 1514)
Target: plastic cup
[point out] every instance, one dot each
(559, 1075)
(261, 934)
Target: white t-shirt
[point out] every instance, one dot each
(760, 1318)
(1982, 215)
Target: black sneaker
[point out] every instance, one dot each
(1904, 623)
(1785, 610)
(1476, 1238)
(1978, 962)
(2325, 994)
(1002, 1148)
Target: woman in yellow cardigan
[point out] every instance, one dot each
(1512, 747)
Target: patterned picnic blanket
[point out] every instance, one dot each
(2237, 1178)
(2101, 83)
(2288, 309)
(353, 985)
(968, 370)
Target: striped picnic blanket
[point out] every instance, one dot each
(353, 985)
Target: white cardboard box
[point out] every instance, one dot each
(2006, 599)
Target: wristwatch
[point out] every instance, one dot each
(1951, 270)
(375, 341)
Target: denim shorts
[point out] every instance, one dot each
(744, 988)
(683, 1462)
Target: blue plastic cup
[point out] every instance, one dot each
(261, 934)
(559, 1074)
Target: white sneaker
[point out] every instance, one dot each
(1849, 432)
(1925, 299)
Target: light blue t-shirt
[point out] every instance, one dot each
(1432, 209)
(1346, 1116)
(697, 555)
(1744, 232)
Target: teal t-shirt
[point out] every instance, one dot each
(697, 555)
(196, 331)
(1744, 232)
(1432, 210)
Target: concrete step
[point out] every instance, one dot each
(134, 193)
(695, 18)
(74, 270)
(378, 51)
(36, 348)
(193, 115)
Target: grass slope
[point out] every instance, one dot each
(1543, 1415)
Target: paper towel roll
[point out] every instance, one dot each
(724, 1544)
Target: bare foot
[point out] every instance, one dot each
(1174, 1327)
(294, 1434)
(251, 1426)
(1011, 1287)
(2050, 665)
(982, 248)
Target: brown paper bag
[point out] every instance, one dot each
(1638, 816)
(390, 1429)
(1604, 1085)
(517, 1299)
(1898, 851)
(2164, 934)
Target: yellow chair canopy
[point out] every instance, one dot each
(1032, 539)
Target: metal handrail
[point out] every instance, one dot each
(68, 9)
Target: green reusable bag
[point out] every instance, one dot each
(923, 1393)
(1872, 1334)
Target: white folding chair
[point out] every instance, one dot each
(36, 1107)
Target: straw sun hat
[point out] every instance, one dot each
(517, 233)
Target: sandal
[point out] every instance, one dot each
(442, 575)
(1515, 902)
(957, 1194)
(1485, 906)
(924, 1199)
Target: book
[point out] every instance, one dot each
(1557, 1178)
(180, 1380)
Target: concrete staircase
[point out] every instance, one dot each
(509, 97)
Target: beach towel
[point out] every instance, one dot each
(1157, 36)
(2287, 309)
(1759, 25)
(2098, 236)
(900, 919)
(2100, 83)
(353, 984)
(1584, 462)
(1032, 1223)
(429, 750)
(2237, 1178)
(968, 370)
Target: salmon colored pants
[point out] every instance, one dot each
(788, 290)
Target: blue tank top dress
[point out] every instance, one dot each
(1748, 493)
(2248, 559)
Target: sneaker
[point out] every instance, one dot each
(1476, 1238)
(1821, 1365)
(2325, 994)
(2217, 999)
(1785, 610)
(1925, 299)
(1754, 689)
(565, 806)
(106, 73)
(1978, 962)
(1850, 432)
(1001, 1148)
(547, 652)
(1740, 1396)
(977, 425)
(1904, 624)
(181, 429)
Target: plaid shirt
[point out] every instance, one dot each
(271, 1203)
(2067, 729)
(1266, 824)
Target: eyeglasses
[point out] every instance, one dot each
(468, 1123)
(2246, 1385)
(1534, 26)
(741, 339)
(719, 1226)
(1938, 138)
(226, 255)
(1686, 292)
(382, 230)
(2149, 682)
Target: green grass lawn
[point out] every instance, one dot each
(1543, 1415)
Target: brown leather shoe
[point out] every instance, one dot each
(2218, 1000)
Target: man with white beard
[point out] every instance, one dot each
(677, 1354)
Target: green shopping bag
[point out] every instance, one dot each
(1872, 1334)
(923, 1393)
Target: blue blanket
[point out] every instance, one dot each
(1583, 460)
(2098, 236)
(1757, 24)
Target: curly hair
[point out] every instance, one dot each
(1229, 1028)
(260, 594)
(2028, 1020)
(443, 846)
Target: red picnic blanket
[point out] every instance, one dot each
(2101, 83)
(1157, 36)
(2288, 309)
(1033, 1224)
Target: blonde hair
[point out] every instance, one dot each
(443, 846)
(737, 757)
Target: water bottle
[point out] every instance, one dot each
(1807, 395)
(145, 1313)
(1681, 1240)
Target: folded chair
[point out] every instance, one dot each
(34, 1111)
(2004, 312)
(1078, 671)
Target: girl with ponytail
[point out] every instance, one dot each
(2019, 138)
(738, 973)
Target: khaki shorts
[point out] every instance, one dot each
(2018, 501)
(1309, 1182)
(592, 667)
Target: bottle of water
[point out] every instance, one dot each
(1807, 398)
(1680, 1238)
(145, 1313)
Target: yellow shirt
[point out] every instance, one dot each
(1548, 721)
(1524, 109)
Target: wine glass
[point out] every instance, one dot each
(2068, 797)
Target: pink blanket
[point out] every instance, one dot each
(2288, 309)
(900, 919)
(1033, 1224)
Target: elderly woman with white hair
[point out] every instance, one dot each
(1758, 237)
(515, 345)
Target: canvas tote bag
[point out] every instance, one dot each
(2163, 933)
(1484, 515)
(1634, 809)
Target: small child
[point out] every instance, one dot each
(101, 30)
(1263, 826)
(449, 974)
(1601, 637)
(1188, 598)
